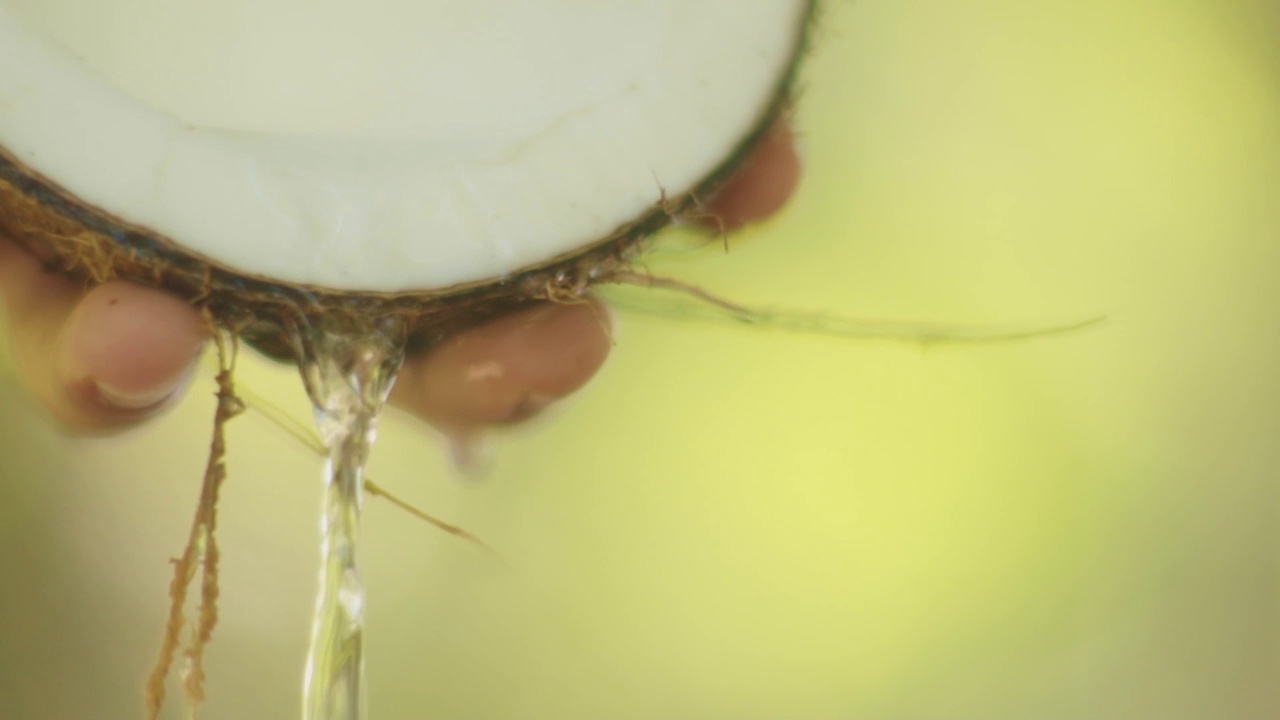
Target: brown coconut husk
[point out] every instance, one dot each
(200, 554)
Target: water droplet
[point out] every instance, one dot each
(472, 454)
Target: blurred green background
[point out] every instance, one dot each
(745, 524)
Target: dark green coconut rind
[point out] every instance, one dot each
(84, 242)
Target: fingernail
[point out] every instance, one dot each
(138, 400)
(129, 348)
(79, 354)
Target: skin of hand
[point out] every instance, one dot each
(108, 359)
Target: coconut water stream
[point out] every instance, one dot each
(348, 366)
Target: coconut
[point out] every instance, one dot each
(440, 160)
(416, 164)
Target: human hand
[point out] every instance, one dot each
(108, 359)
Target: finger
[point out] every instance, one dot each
(506, 370)
(100, 361)
(764, 183)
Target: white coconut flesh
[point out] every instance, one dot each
(386, 145)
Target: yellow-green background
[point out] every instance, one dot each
(741, 524)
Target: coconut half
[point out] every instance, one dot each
(387, 152)
(337, 160)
